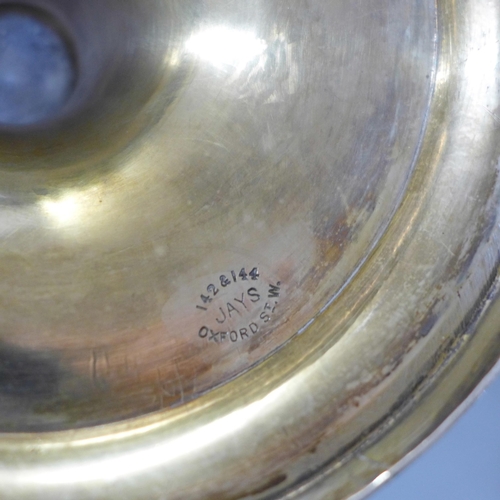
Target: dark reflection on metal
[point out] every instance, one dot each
(28, 374)
(37, 71)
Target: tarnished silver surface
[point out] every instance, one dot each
(255, 254)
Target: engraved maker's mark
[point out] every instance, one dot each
(238, 308)
(212, 289)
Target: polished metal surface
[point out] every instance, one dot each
(255, 253)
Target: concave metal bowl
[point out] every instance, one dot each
(256, 253)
